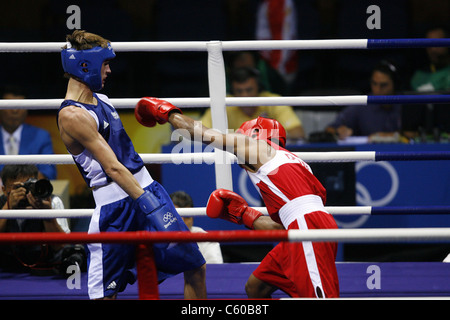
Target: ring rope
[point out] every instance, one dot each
(201, 211)
(323, 235)
(16, 47)
(209, 157)
(344, 100)
(349, 235)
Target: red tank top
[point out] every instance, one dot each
(283, 179)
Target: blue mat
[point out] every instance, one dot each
(226, 281)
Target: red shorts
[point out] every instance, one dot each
(303, 269)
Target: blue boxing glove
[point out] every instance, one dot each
(147, 202)
(157, 214)
(149, 205)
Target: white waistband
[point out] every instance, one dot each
(113, 192)
(299, 207)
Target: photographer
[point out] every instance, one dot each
(22, 190)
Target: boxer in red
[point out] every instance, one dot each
(293, 196)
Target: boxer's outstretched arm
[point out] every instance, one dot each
(247, 150)
(251, 153)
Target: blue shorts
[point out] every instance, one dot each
(113, 266)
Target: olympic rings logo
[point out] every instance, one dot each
(363, 196)
(168, 217)
(245, 192)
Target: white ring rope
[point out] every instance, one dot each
(184, 212)
(127, 103)
(143, 46)
(191, 158)
(371, 235)
(45, 213)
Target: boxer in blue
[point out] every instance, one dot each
(126, 196)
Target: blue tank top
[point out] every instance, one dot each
(111, 128)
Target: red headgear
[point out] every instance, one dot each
(265, 129)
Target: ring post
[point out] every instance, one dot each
(146, 273)
(217, 91)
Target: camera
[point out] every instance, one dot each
(72, 254)
(40, 189)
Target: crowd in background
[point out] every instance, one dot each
(184, 74)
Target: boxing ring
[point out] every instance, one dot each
(227, 280)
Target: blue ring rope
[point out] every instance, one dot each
(405, 99)
(411, 156)
(410, 210)
(407, 43)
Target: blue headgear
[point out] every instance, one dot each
(86, 65)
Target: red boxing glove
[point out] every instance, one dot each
(149, 111)
(230, 206)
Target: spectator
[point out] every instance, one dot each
(380, 123)
(43, 258)
(210, 250)
(436, 76)
(18, 137)
(245, 83)
(270, 79)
